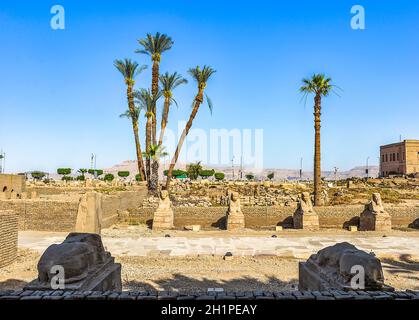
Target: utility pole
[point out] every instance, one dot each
(241, 167)
(2, 161)
(301, 169)
(232, 166)
(336, 175)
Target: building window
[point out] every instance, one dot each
(386, 157)
(398, 156)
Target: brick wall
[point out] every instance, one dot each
(8, 237)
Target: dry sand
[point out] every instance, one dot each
(201, 273)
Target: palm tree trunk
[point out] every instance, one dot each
(317, 166)
(154, 91)
(148, 143)
(140, 162)
(154, 180)
(198, 101)
(164, 119)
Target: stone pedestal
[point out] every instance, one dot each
(85, 263)
(89, 214)
(374, 217)
(305, 217)
(163, 216)
(234, 216)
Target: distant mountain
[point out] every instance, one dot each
(279, 174)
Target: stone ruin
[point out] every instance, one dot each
(305, 217)
(13, 186)
(89, 214)
(234, 216)
(331, 268)
(374, 217)
(86, 264)
(163, 216)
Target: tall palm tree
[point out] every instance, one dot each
(320, 86)
(201, 77)
(154, 46)
(130, 69)
(168, 82)
(155, 153)
(145, 100)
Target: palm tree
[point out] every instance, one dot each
(154, 46)
(155, 153)
(145, 100)
(168, 82)
(201, 76)
(130, 69)
(320, 86)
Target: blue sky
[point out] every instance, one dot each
(60, 95)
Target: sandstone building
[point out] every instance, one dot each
(12, 182)
(399, 158)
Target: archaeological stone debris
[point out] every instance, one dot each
(305, 217)
(163, 216)
(375, 217)
(85, 264)
(334, 267)
(234, 216)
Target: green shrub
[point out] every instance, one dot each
(138, 177)
(64, 171)
(219, 176)
(99, 172)
(67, 178)
(38, 175)
(176, 173)
(250, 176)
(80, 178)
(109, 177)
(271, 175)
(123, 174)
(206, 173)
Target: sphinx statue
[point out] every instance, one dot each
(85, 263)
(234, 215)
(305, 217)
(374, 217)
(334, 267)
(163, 216)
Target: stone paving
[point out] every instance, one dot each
(172, 295)
(298, 247)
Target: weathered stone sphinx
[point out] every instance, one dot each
(374, 217)
(163, 216)
(89, 214)
(334, 267)
(234, 216)
(305, 217)
(86, 265)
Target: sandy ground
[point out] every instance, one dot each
(200, 273)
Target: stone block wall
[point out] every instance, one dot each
(260, 217)
(61, 215)
(8, 237)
